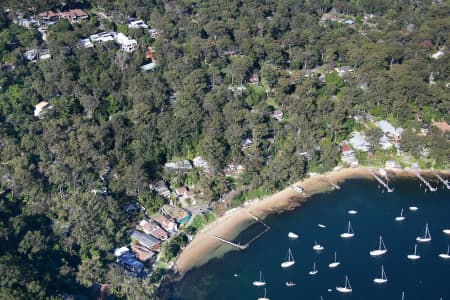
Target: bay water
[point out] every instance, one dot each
(231, 276)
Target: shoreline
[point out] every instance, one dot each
(204, 247)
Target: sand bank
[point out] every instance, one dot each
(204, 247)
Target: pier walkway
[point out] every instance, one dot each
(332, 183)
(246, 245)
(444, 181)
(432, 189)
(381, 181)
(239, 246)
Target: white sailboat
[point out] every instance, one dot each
(403, 295)
(292, 235)
(350, 233)
(347, 288)
(265, 296)
(382, 279)
(414, 256)
(314, 271)
(445, 255)
(335, 263)
(381, 248)
(317, 246)
(426, 237)
(446, 231)
(352, 212)
(261, 281)
(401, 217)
(290, 283)
(413, 208)
(321, 226)
(290, 260)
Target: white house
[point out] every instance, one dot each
(392, 133)
(359, 142)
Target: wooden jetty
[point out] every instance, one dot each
(432, 189)
(332, 183)
(239, 246)
(261, 233)
(381, 181)
(246, 245)
(444, 181)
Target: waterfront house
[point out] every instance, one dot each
(129, 262)
(142, 253)
(178, 214)
(153, 229)
(146, 240)
(393, 134)
(165, 223)
(359, 142)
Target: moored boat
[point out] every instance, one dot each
(290, 260)
(347, 288)
(381, 248)
(426, 237)
(292, 235)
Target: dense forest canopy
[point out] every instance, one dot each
(113, 125)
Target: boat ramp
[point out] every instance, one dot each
(444, 181)
(381, 181)
(432, 189)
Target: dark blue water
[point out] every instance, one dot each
(428, 278)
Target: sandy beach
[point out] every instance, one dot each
(204, 246)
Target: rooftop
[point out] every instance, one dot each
(145, 239)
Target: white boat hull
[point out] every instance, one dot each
(290, 284)
(343, 290)
(379, 280)
(352, 212)
(263, 298)
(413, 208)
(313, 272)
(321, 226)
(444, 256)
(347, 235)
(413, 257)
(287, 264)
(423, 240)
(318, 248)
(292, 235)
(377, 252)
(259, 283)
(446, 231)
(399, 219)
(334, 265)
